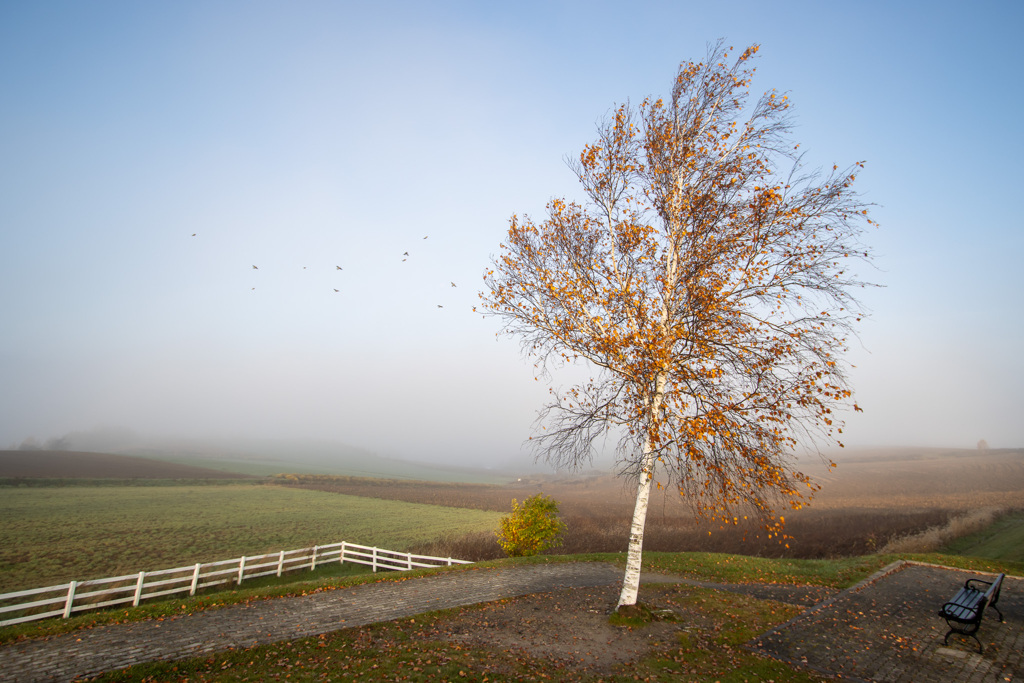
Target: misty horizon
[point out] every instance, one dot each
(273, 225)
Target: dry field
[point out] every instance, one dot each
(870, 500)
(923, 477)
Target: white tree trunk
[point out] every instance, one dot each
(631, 581)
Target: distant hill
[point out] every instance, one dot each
(260, 457)
(81, 465)
(903, 454)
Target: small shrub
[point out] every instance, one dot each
(532, 528)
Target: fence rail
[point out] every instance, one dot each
(78, 596)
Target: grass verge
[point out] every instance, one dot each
(1002, 540)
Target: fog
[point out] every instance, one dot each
(152, 155)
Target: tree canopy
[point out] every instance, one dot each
(707, 279)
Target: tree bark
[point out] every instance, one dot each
(631, 581)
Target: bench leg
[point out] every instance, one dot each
(945, 641)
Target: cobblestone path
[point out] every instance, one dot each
(104, 648)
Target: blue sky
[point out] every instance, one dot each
(299, 137)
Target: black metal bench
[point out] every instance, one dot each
(964, 612)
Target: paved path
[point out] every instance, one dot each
(104, 648)
(887, 629)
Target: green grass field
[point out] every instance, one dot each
(1003, 540)
(52, 535)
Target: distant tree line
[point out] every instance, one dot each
(51, 444)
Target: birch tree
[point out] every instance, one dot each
(706, 280)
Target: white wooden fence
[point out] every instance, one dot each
(77, 596)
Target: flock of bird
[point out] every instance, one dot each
(405, 257)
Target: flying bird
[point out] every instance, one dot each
(453, 284)
(339, 267)
(440, 306)
(336, 290)
(405, 254)
(193, 234)
(426, 236)
(255, 268)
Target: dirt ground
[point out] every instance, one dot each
(571, 627)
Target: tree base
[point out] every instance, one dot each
(635, 616)
(631, 615)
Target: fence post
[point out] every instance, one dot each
(280, 563)
(408, 561)
(138, 589)
(374, 558)
(71, 598)
(449, 561)
(241, 568)
(195, 580)
(343, 552)
(312, 565)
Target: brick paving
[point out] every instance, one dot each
(887, 629)
(105, 648)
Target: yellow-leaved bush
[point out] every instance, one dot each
(531, 528)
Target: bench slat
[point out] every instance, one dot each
(959, 613)
(967, 597)
(964, 606)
